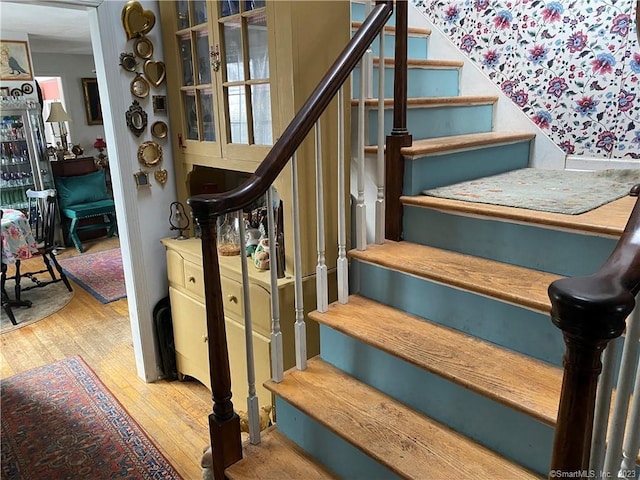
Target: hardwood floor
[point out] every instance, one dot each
(173, 414)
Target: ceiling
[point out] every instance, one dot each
(59, 26)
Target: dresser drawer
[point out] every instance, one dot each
(175, 268)
(232, 297)
(194, 279)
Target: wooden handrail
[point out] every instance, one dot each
(224, 424)
(591, 311)
(212, 205)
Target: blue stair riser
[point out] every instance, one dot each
(500, 428)
(516, 328)
(556, 251)
(335, 453)
(421, 82)
(448, 168)
(358, 13)
(430, 122)
(416, 46)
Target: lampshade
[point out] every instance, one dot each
(57, 113)
(99, 143)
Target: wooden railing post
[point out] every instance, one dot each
(400, 137)
(224, 423)
(590, 311)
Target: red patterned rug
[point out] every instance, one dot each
(99, 273)
(60, 422)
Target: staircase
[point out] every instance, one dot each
(444, 364)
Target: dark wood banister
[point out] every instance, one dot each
(591, 311)
(224, 424)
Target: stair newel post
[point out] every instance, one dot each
(400, 137)
(224, 423)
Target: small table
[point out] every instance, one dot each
(18, 244)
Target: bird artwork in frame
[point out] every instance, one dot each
(14, 60)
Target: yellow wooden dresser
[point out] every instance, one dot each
(186, 290)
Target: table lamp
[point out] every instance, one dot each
(59, 116)
(100, 145)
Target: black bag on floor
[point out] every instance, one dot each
(163, 326)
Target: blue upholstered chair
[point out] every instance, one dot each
(86, 196)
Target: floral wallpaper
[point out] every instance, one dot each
(573, 66)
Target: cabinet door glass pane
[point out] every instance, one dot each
(233, 51)
(261, 108)
(258, 49)
(237, 114)
(182, 14)
(206, 110)
(199, 11)
(229, 7)
(253, 4)
(190, 115)
(202, 51)
(187, 57)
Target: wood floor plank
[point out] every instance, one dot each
(509, 283)
(406, 442)
(276, 457)
(173, 414)
(609, 219)
(521, 382)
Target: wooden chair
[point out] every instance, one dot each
(42, 215)
(82, 197)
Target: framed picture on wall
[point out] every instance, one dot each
(92, 101)
(14, 60)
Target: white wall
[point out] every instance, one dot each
(71, 69)
(142, 213)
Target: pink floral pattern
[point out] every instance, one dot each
(17, 239)
(572, 66)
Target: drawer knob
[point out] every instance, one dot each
(192, 279)
(232, 298)
(205, 339)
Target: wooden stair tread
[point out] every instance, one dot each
(432, 101)
(417, 63)
(276, 457)
(609, 219)
(521, 286)
(513, 379)
(412, 31)
(431, 146)
(398, 437)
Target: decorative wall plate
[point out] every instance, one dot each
(139, 86)
(26, 88)
(161, 176)
(155, 72)
(150, 154)
(143, 47)
(128, 62)
(16, 92)
(136, 118)
(136, 20)
(159, 129)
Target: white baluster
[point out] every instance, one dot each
(361, 217)
(368, 60)
(277, 352)
(322, 284)
(613, 456)
(252, 398)
(603, 405)
(379, 226)
(342, 263)
(300, 327)
(631, 445)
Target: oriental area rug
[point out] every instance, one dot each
(99, 273)
(558, 191)
(60, 422)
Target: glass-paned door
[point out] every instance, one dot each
(245, 86)
(194, 41)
